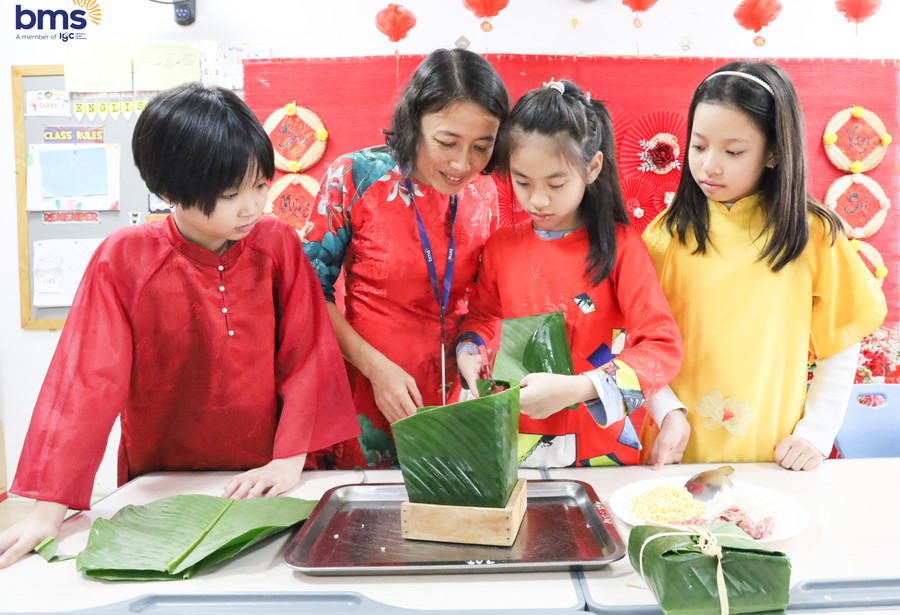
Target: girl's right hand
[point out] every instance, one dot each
(469, 365)
(396, 393)
(44, 521)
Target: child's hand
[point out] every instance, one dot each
(469, 366)
(671, 441)
(42, 522)
(396, 393)
(543, 395)
(796, 453)
(275, 478)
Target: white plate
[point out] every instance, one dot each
(790, 516)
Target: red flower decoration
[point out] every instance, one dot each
(857, 10)
(395, 22)
(639, 6)
(756, 14)
(641, 202)
(653, 148)
(485, 8)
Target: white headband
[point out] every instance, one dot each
(753, 78)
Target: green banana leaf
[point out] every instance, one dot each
(683, 579)
(463, 454)
(533, 344)
(177, 537)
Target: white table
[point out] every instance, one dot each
(258, 581)
(847, 558)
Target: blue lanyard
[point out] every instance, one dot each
(444, 297)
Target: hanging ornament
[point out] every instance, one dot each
(298, 137)
(485, 9)
(857, 11)
(291, 198)
(756, 15)
(638, 6)
(860, 202)
(395, 22)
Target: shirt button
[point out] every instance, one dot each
(222, 288)
(231, 333)
(224, 310)
(221, 268)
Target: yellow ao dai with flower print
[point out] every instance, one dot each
(748, 331)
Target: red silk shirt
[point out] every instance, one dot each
(213, 362)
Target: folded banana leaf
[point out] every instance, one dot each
(683, 579)
(463, 454)
(178, 536)
(533, 344)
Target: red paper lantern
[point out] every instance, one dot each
(395, 22)
(756, 14)
(485, 9)
(857, 10)
(639, 6)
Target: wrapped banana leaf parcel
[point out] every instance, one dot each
(462, 454)
(709, 569)
(178, 536)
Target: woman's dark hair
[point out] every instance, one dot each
(444, 78)
(581, 127)
(779, 118)
(192, 144)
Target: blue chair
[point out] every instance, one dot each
(871, 431)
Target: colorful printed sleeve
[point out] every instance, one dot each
(653, 348)
(847, 302)
(329, 230)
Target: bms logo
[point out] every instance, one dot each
(49, 19)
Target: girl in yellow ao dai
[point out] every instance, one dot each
(759, 278)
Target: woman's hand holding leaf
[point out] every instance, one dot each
(275, 478)
(396, 393)
(543, 394)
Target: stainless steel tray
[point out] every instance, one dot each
(355, 529)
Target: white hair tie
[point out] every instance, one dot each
(555, 85)
(736, 73)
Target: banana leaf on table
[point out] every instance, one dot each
(178, 536)
(462, 454)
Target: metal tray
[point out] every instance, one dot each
(355, 529)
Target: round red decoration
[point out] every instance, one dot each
(872, 259)
(639, 6)
(857, 10)
(292, 197)
(485, 8)
(395, 22)
(298, 137)
(756, 14)
(860, 202)
(641, 202)
(855, 140)
(653, 148)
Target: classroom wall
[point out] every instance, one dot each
(704, 28)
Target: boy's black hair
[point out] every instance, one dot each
(778, 116)
(193, 143)
(581, 127)
(444, 78)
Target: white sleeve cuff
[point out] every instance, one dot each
(826, 400)
(661, 404)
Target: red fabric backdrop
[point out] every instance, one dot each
(354, 98)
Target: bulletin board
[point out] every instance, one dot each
(35, 226)
(647, 96)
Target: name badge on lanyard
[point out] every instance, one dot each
(443, 296)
